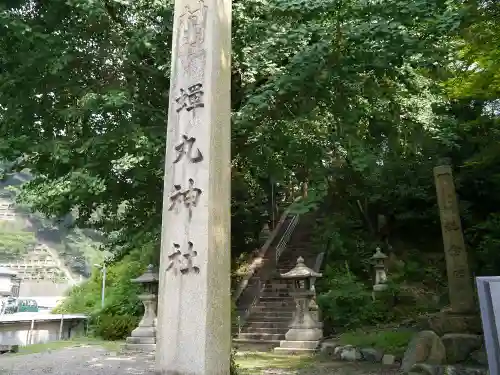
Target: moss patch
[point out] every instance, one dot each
(62, 344)
(255, 363)
(391, 342)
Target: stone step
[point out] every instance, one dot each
(256, 324)
(276, 298)
(271, 316)
(255, 345)
(250, 329)
(275, 320)
(262, 336)
(140, 340)
(275, 294)
(272, 309)
(128, 347)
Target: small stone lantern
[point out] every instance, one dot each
(380, 272)
(305, 331)
(144, 336)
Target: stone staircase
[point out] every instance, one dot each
(271, 314)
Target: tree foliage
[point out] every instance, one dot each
(358, 99)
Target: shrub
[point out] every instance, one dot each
(346, 302)
(113, 327)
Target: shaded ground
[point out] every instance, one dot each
(271, 364)
(95, 359)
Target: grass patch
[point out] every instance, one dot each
(391, 342)
(61, 344)
(254, 363)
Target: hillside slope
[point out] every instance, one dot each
(45, 249)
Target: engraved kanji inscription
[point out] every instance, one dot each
(451, 225)
(447, 192)
(186, 148)
(189, 196)
(459, 274)
(191, 40)
(182, 261)
(191, 98)
(454, 250)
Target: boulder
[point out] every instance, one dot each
(447, 322)
(328, 348)
(479, 357)
(459, 346)
(348, 353)
(371, 354)
(426, 347)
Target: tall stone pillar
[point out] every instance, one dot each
(194, 306)
(460, 288)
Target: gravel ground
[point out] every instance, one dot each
(94, 360)
(82, 360)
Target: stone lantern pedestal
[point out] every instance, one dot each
(143, 338)
(305, 330)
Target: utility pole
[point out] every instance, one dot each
(103, 289)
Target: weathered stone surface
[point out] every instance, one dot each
(347, 353)
(388, 359)
(426, 347)
(460, 288)
(371, 354)
(424, 368)
(460, 345)
(328, 347)
(447, 322)
(479, 357)
(194, 298)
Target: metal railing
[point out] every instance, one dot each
(286, 237)
(252, 289)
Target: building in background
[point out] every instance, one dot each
(8, 281)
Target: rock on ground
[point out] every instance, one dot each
(459, 346)
(426, 347)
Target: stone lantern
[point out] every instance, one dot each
(305, 331)
(143, 338)
(380, 272)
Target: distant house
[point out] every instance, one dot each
(7, 278)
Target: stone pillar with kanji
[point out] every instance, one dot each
(460, 288)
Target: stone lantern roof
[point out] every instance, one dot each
(147, 277)
(300, 271)
(379, 254)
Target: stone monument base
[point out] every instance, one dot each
(304, 334)
(297, 347)
(300, 341)
(142, 339)
(140, 344)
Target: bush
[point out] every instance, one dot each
(346, 302)
(121, 293)
(113, 327)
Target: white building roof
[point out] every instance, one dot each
(7, 272)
